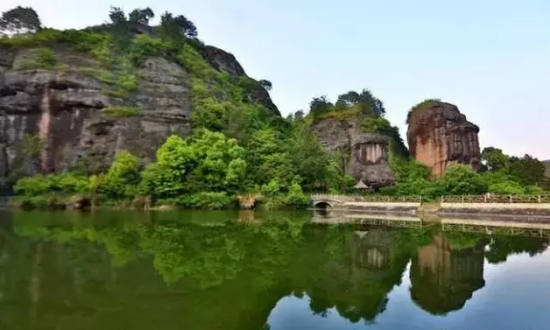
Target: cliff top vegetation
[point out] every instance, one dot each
(426, 104)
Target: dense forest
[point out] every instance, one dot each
(238, 147)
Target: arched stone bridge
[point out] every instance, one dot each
(407, 203)
(323, 201)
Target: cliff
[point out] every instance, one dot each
(439, 135)
(547, 164)
(62, 108)
(363, 155)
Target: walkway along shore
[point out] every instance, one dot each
(447, 205)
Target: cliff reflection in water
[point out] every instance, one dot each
(207, 271)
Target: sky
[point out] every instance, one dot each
(491, 58)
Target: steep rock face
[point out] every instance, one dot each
(51, 120)
(439, 135)
(547, 164)
(226, 62)
(363, 155)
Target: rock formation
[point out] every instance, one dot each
(226, 62)
(439, 135)
(363, 155)
(547, 165)
(442, 279)
(52, 120)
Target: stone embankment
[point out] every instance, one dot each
(448, 205)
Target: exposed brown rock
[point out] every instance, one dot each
(439, 135)
(60, 112)
(363, 155)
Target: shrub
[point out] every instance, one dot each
(296, 197)
(122, 178)
(144, 46)
(46, 58)
(121, 111)
(507, 188)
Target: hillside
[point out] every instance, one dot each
(355, 130)
(71, 100)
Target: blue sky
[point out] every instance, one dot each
(491, 58)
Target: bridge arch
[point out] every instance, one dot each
(322, 204)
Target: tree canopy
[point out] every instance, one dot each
(20, 20)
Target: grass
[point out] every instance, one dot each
(342, 114)
(121, 111)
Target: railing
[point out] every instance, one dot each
(369, 198)
(490, 198)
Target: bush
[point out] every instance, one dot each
(144, 46)
(507, 188)
(296, 197)
(121, 111)
(202, 200)
(122, 178)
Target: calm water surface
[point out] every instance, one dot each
(212, 270)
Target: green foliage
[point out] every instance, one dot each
(498, 167)
(141, 16)
(271, 189)
(506, 188)
(144, 46)
(19, 20)
(266, 84)
(117, 15)
(122, 178)
(527, 170)
(376, 125)
(32, 145)
(348, 105)
(462, 180)
(493, 159)
(121, 111)
(296, 197)
(43, 58)
(37, 185)
(426, 104)
(208, 162)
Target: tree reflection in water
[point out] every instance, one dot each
(207, 271)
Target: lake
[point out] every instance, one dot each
(238, 270)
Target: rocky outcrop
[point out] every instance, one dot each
(363, 155)
(226, 62)
(547, 165)
(439, 135)
(52, 120)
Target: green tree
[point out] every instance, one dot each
(207, 162)
(123, 176)
(494, 159)
(462, 180)
(506, 188)
(319, 106)
(268, 158)
(527, 170)
(141, 16)
(117, 16)
(266, 84)
(20, 20)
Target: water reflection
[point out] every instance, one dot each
(204, 270)
(443, 279)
